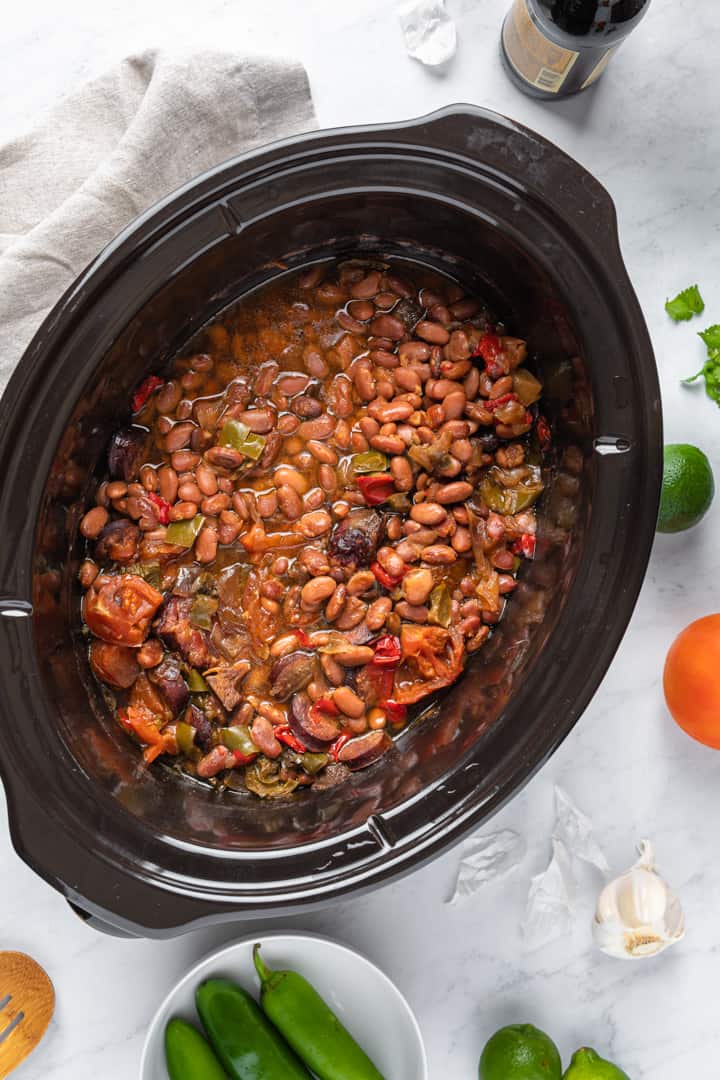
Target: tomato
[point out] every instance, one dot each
(692, 680)
(114, 664)
(120, 608)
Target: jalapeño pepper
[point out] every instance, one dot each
(245, 1042)
(188, 1055)
(312, 1029)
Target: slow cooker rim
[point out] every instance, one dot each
(104, 265)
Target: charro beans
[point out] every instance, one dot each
(326, 550)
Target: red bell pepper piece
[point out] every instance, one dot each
(381, 679)
(396, 712)
(495, 403)
(388, 651)
(243, 759)
(376, 489)
(334, 751)
(284, 735)
(324, 705)
(525, 546)
(162, 506)
(302, 637)
(144, 390)
(489, 348)
(543, 433)
(385, 579)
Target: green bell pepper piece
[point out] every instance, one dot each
(184, 533)
(196, 683)
(238, 737)
(372, 461)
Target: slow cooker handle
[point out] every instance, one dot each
(99, 924)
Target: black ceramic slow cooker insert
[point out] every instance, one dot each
(471, 194)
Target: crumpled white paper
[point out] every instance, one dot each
(549, 909)
(430, 34)
(575, 829)
(485, 858)
(548, 913)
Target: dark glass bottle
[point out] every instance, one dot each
(552, 48)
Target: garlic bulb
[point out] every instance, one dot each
(637, 915)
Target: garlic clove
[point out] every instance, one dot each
(637, 914)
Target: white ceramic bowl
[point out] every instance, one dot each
(369, 1005)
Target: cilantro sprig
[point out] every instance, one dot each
(687, 303)
(711, 368)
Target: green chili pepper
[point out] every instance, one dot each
(238, 737)
(253, 446)
(184, 533)
(202, 610)
(238, 436)
(196, 683)
(312, 1029)
(313, 763)
(246, 1043)
(185, 736)
(233, 434)
(150, 572)
(188, 1055)
(510, 500)
(370, 462)
(440, 606)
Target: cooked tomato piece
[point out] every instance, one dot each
(432, 658)
(146, 727)
(114, 664)
(120, 609)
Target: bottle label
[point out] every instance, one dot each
(534, 57)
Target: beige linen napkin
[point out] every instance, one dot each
(112, 149)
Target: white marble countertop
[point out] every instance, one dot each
(648, 131)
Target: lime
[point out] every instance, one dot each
(520, 1052)
(586, 1064)
(687, 490)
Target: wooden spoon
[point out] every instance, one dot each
(27, 1002)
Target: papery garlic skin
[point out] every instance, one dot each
(637, 914)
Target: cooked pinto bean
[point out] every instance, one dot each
(378, 612)
(455, 492)
(428, 513)
(321, 428)
(352, 615)
(439, 555)
(417, 586)
(315, 523)
(391, 561)
(94, 522)
(354, 655)
(290, 502)
(387, 326)
(215, 762)
(317, 591)
(348, 702)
